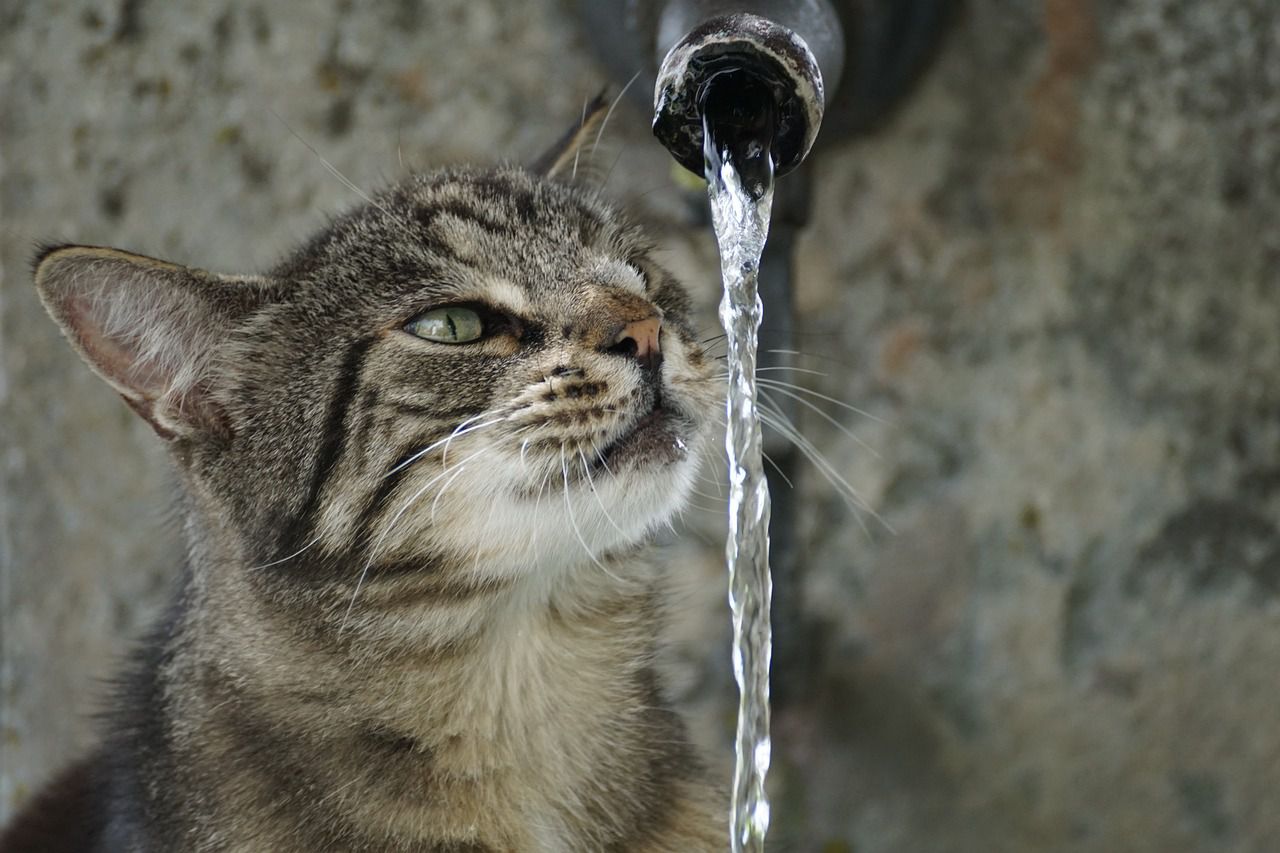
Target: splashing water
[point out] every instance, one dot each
(740, 184)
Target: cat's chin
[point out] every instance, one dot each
(656, 439)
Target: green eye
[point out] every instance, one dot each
(453, 325)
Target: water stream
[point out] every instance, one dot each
(740, 184)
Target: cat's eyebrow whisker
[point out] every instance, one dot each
(578, 150)
(608, 176)
(609, 113)
(333, 170)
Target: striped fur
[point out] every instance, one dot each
(418, 616)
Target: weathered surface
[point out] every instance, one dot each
(1053, 278)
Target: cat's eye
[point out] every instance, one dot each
(454, 324)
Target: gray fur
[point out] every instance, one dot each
(379, 648)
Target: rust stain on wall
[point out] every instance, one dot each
(1048, 155)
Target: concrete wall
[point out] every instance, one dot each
(1052, 280)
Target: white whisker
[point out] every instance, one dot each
(785, 478)
(347, 182)
(786, 367)
(605, 122)
(457, 431)
(769, 388)
(435, 503)
(774, 383)
(373, 549)
(285, 559)
(776, 419)
(717, 510)
(577, 151)
(586, 469)
(573, 522)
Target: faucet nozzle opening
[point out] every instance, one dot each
(751, 79)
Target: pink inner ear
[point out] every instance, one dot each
(147, 327)
(124, 365)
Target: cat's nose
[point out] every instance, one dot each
(639, 339)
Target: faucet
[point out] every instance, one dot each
(867, 53)
(769, 73)
(757, 77)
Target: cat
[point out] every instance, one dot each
(420, 461)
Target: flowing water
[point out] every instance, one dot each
(741, 189)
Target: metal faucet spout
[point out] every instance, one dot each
(755, 82)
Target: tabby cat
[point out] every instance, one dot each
(420, 460)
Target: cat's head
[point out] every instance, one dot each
(477, 368)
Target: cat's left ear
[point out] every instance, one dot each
(151, 329)
(564, 160)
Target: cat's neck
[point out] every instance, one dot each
(546, 697)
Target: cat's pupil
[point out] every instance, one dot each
(452, 325)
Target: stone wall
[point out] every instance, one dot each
(1050, 282)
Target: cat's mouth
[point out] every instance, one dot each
(655, 438)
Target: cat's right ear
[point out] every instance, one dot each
(151, 329)
(560, 161)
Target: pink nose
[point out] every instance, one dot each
(643, 335)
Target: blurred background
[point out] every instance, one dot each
(1050, 280)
